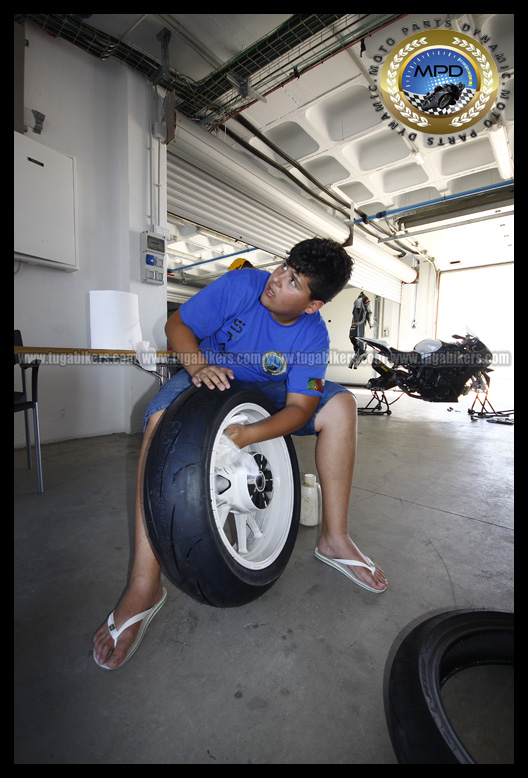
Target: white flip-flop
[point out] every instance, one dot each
(344, 566)
(146, 617)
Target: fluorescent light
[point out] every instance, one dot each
(501, 151)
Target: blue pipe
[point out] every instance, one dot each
(216, 259)
(384, 214)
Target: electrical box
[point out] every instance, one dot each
(153, 250)
(45, 205)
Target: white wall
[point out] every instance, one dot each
(98, 112)
(338, 317)
(418, 309)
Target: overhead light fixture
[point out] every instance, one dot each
(500, 145)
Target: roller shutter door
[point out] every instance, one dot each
(213, 185)
(372, 279)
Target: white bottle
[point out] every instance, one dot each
(311, 502)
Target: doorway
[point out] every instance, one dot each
(480, 301)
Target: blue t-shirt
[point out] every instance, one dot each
(237, 331)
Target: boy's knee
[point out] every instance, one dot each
(341, 410)
(152, 422)
(345, 401)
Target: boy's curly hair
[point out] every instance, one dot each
(326, 264)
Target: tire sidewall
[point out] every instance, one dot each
(420, 661)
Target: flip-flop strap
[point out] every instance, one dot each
(115, 633)
(357, 563)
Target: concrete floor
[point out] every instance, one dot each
(295, 677)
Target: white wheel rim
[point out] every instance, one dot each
(252, 510)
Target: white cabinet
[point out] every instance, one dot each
(45, 217)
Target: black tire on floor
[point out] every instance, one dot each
(219, 555)
(420, 664)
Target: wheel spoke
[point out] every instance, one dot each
(253, 526)
(221, 484)
(247, 531)
(251, 497)
(241, 530)
(223, 512)
(225, 492)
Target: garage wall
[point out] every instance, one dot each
(418, 309)
(98, 112)
(338, 317)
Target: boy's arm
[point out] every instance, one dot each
(185, 345)
(297, 412)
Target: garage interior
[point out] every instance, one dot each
(278, 135)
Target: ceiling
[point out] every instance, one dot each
(305, 83)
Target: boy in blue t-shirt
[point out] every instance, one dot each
(263, 328)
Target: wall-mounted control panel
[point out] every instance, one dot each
(152, 250)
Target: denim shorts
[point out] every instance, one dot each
(274, 390)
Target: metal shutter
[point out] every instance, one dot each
(372, 279)
(213, 185)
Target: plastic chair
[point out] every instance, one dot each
(23, 403)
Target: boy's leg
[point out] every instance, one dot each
(335, 452)
(144, 589)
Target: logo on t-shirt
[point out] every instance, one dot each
(315, 384)
(274, 363)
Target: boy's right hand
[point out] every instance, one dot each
(213, 376)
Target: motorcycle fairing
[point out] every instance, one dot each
(434, 371)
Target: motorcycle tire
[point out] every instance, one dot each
(418, 667)
(445, 100)
(222, 536)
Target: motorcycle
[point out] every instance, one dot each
(434, 371)
(442, 96)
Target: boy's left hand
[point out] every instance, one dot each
(238, 434)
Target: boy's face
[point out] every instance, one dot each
(287, 295)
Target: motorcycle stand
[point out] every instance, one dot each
(380, 400)
(498, 417)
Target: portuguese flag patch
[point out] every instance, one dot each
(315, 384)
